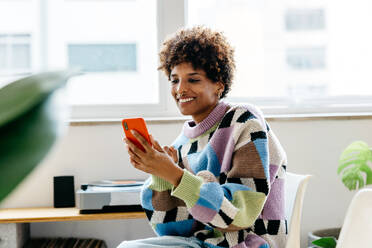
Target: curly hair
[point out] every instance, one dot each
(205, 49)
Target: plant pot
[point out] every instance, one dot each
(317, 234)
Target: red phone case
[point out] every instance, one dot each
(139, 125)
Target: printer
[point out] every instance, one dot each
(110, 196)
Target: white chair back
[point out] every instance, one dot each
(295, 187)
(357, 228)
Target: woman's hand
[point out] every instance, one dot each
(154, 160)
(171, 152)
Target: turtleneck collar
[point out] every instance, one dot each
(192, 130)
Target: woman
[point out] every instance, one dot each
(221, 183)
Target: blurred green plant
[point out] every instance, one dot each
(32, 117)
(355, 165)
(325, 242)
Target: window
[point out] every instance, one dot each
(15, 56)
(292, 56)
(17, 39)
(119, 61)
(304, 19)
(15, 53)
(295, 57)
(114, 43)
(103, 57)
(308, 58)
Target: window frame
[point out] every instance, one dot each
(172, 15)
(317, 106)
(9, 41)
(167, 22)
(350, 105)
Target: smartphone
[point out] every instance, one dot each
(139, 125)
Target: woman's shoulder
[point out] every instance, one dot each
(244, 107)
(244, 112)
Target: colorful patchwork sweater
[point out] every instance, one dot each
(232, 190)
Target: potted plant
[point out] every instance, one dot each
(355, 168)
(32, 117)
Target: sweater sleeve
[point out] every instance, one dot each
(238, 201)
(168, 215)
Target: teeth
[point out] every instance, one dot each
(186, 99)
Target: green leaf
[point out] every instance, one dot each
(21, 95)
(326, 242)
(353, 178)
(31, 119)
(353, 164)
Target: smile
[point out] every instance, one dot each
(186, 100)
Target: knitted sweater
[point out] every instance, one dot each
(231, 193)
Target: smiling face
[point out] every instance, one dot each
(195, 94)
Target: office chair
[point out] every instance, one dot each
(295, 188)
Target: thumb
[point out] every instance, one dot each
(155, 144)
(174, 154)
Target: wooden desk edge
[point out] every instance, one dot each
(49, 214)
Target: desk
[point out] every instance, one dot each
(15, 227)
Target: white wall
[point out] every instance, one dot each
(93, 152)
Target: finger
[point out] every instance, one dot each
(166, 148)
(133, 155)
(134, 148)
(158, 146)
(135, 163)
(127, 141)
(140, 166)
(151, 139)
(141, 140)
(174, 154)
(173, 151)
(155, 144)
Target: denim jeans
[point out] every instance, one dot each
(164, 241)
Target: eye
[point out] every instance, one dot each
(174, 81)
(192, 80)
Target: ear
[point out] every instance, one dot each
(220, 86)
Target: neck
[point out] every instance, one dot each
(193, 129)
(199, 118)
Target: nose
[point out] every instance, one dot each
(181, 86)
